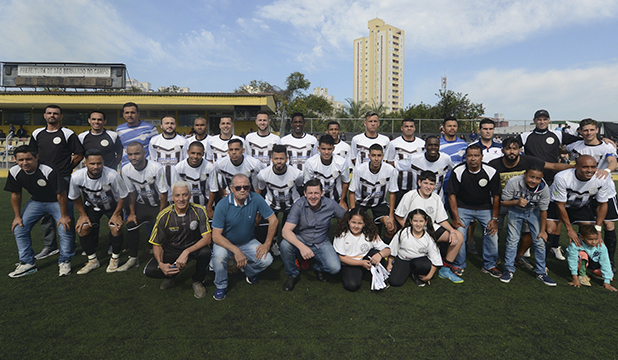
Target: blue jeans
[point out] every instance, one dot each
(221, 255)
(490, 242)
(32, 213)
(326, 259)
(515, 219)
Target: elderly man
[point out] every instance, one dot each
(306, 233)
(233, 234)
(180, 233)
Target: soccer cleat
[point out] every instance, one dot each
(584, 280)
(90, 265)
(546, 279)
(457, 271)
(113, 265)
(523, 263)
(252, 280)
(506, 277)
(131, 263)
(23, 270)
(493, 272)
(471, 248)
(289, 284)
(199, 291)
(167, 283)
(446, 273)
(418, 281)
(64, 268)
(46, 252)
(321, 276)
(219, 294)
(557, 251)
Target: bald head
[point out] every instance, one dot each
(585, 167)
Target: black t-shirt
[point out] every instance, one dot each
(57, 148)
(43, 184)
(108, 142)
(525, 162)
(474, 191)
(545, 145)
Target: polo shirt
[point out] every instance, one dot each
(474, 191)
(238, 222)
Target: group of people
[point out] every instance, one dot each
(218, 198)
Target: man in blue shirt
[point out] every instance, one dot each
(232, 228)
(134, 130)
(452, 145)
(306, 233)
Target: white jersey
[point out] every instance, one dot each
(280, 191)
(599, 152)
(332, 176)
(99, 194)
(370, 189)
(193, 139)
(202, 179)
(575, 193)
(300, 149)
(168, 152)
(356, 246)
(406, 247)
(404, 148)
(344, 150)
(226, 171)
(433, 206)
(260, 147)
(216, 148)
(359, 149)
(148, 183)
(417, 163)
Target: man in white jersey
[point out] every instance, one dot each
(236, 163)
(370, 183)
(201, 176)
(104, 193)
(341, 147)
(200, 132)
(332, 170)
(424, 197)
(362, 142)
(104, 140)
(260, 143)
(491, 148)
(168, 148)
(146, 183)
(217, 144)
(301, 146)
(134, 129)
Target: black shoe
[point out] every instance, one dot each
(418, 281)
(321, 276)
(289, 284)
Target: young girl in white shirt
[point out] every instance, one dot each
(359, 247)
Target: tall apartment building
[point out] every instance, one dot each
(378, 66)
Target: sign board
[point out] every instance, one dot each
(75, 75)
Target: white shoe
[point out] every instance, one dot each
(527, 253)
(274, 248)
(90, 265)
(65, 268)
(46, 252)
(113, 265)
(132, 262)
(557, 251)
(23, 270)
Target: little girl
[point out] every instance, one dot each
(415, 249)
(359, 247)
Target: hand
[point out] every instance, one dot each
(573, 237)
(456, 224)
(306, 252)
(389, 267)
(492, 227)
(343, 204)
(389, 222)
(542, 235)
(522, 202)
(132, 218)
(452, 238)
(376, 258)
(609, 287)
(116, 219)
(425, 278)
(601, 174)
(181, 261)
(366, 264)
(241, 260)
(261, 251)
(575, 282)
(210, 212)
(83, 220)
(65, 221)
(16, 221)
(168, 270)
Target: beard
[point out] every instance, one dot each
(510, 159)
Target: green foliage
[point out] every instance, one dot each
(311, 106)
(458, 105)
(355, 109)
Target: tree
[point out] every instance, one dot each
(458, 105)
(311, 106)
(355, 109)
(169, 89)
(296, 82)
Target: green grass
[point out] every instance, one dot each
(125, 315)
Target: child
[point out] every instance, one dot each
(527, 199)
(359, 247)
(416, 252)
(591, 253)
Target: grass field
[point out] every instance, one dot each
(125, 315)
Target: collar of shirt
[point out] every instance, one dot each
(232, 200)
(306, 203)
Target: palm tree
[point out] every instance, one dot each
(356, 109)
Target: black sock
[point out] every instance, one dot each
(610, 241)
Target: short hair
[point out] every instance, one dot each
(198, 118)
(449, 118)
(326, 139)
(279, 148)
(130, 104)
(511, 140)
(226, 117)
(168, 116)
(313, 182)
(181, 183)
(536, 167)
(588, 121)
(427, 175)
(333, 122)
(587, 230)
(485, 121)
(431, 137)
(408, 119)
(196, 143)
(474, 147)
(99, 112)
(234, 141)
(376, 147)
(240, 175)
(262, 112)
(92, 152)
(297, 114)
(136, 143)
(25, 149)
(52, 106)
(370, 113)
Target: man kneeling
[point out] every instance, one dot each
(181, 231)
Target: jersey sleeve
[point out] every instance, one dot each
(402, 209)
(157, 237)
(441, 214)
(339, 245)
(392, 184)
(12, 185)
(213, 184)
(120, 186)
(218, 219)
(151, 151)
(558, 190)
(395, 244)
(74, 191)
(453, 185)
(203, 222)
(389, 152)
(160, 179)
(261, 181)
(509, 189)
(75, 145)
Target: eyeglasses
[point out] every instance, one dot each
(242, 187)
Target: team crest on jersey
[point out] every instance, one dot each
(482, 182)
(177, 147)
(550, 140)
(290, 183)
(429, 210)
(365, 247)
(461, 152)
(106, 187)
(150, 179)
(41, 182)
(203, 177)
(593, 191)
(143, 137)
(382, 181)
(193, 225)
(57, 140)
(104, 142)
(335, 173)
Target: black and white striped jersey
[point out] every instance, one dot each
(193, 139)
(410, 168)
(332, 176)
(260, 147)
(300, 149)
(202, 179)
(576, 193)
(100, 194)
(216, 147)
(370, 189)
(280, 191)
(148, 183)
(226, 171)
(168, 153)
(599, 152)
(359, 147)
(404, 148)
(344, 150)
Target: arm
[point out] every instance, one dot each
(611, 166)
(348, 260)
(262, 250)
(492, 225)
(344, 194)
(558, 166)
(65, 220)
(352, 200)
(564, 217)
(452, 202)
(181, 261)
(219, 239)
(543, 232)
(16, 204)
(601, 214)
(115, 221)
(162, 201)
(211, 200)
(288, 234)
(132, 217)
(83, 217)
(76, 159)
(377, 257)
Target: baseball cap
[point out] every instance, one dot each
(540, 113)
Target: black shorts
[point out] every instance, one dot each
(441, 230)
(378, 212)
(612, 210)
(584, 214)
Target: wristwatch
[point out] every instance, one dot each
(598, 228)
(494, 218)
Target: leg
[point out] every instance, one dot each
(32, 213)
(399, 273)
(514, 222)
(202, 258)
(420, 266)
(152, 270)
(326, 258)
(220, 257)
(67, 236)
(534, 223)
(49, 230)
(254, 265)
(490, 242)
(352, 277)
(289, 253)
(466, 217)
(453, 248)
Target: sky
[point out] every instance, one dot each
(514, 57)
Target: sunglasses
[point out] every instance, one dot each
(243, 187)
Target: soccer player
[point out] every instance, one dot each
(451, 144)
(341, 147)
(168, 148)
(260, 143)
(106, 141)
(217, 145)
(134, 130)
(301, 146)
(236, 163)
(362, 142)
(407, 144)
(200, 130)
(491, 149)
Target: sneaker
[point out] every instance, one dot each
(219, 294)
(199, 291)
(90, 265)
(584, 280)
(113, 265)
(523, 263)
(527, 253)
(23, 270)
(131, 263)
(65, 268)
(321, 276)
(289, 284)
(471, 248)
(557, 251)
(546, 279)
(493, 272)
(446, 273)
(457, 271)
(418, 281)
(167, 283)
(275, 249)
(46, 252)
(596, 274)
(506, 277)
(252, 280)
